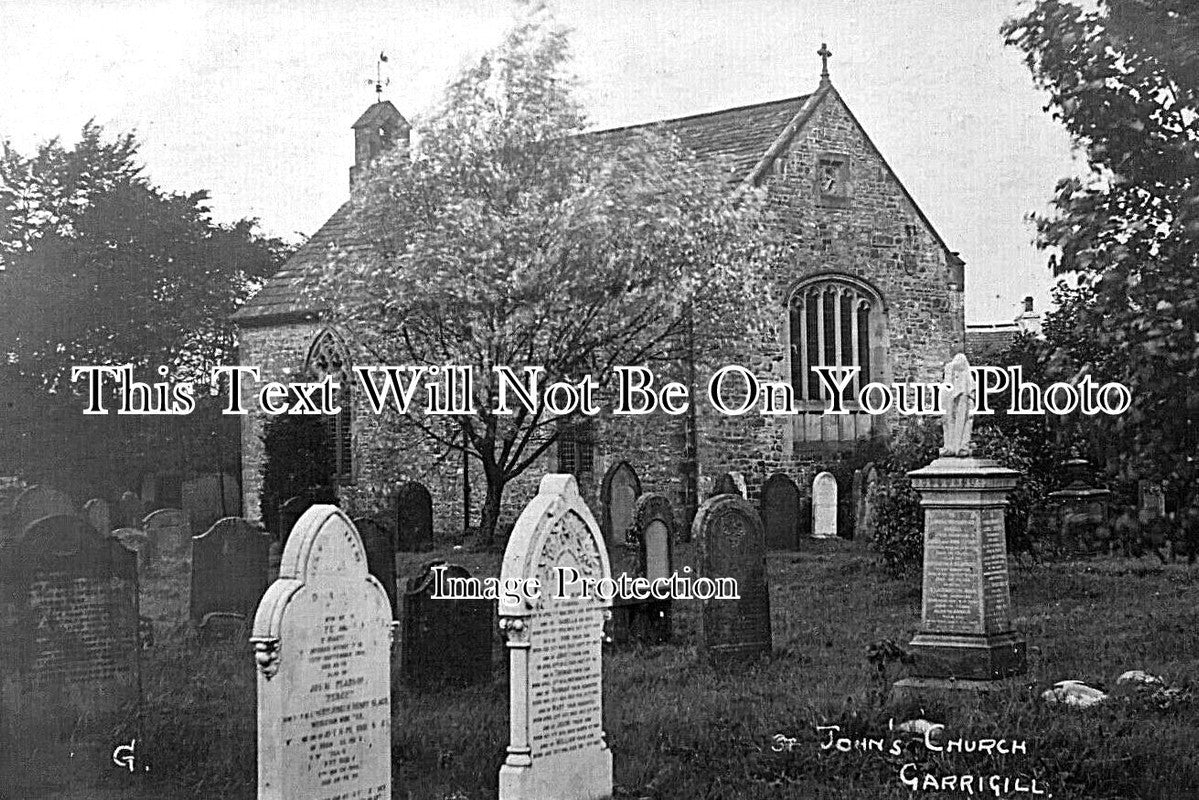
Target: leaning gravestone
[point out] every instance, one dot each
(228, 570)
(69, 660)
(380, 555)
(557, 747)
(728, 483)
(99, 515)
(414, 517)
(780, 512)
(824, 506)
(322, 644)
(618, 495)
(445, 641)
(166, 581)
(37, 502)
(733, 545)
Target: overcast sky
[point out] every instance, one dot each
(253, 100)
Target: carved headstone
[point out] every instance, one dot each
(780, 512)
(618, 494)
(37, 502)
(229, 563)
(209, 498)
(445, 641)
(732, 544)
(99, 515)
(380, 555)
(166, 581)
(69, 661)
(322, 643)
(414, 517)
(557, 747)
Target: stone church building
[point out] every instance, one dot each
(871, 284)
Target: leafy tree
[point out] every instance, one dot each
(102, 267)
(510, 239)
(1122, 79)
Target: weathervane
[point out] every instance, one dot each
(379, 80)
(825, 54)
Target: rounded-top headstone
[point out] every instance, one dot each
(824, 506)
(732, 544)
(653, 520)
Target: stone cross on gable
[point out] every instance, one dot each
(825, 54)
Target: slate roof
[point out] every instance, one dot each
(743, 140)
(984, 342)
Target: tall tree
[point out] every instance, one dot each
(1123, 78)
(102, 267)
(510, 239)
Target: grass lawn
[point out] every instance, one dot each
(678, 729)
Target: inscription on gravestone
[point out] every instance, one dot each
(322, 642)
(557, 747)
(69, 664)
(732, 545)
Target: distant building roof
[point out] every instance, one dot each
(984, 342)
(744, 140)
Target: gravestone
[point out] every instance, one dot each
(209, 498)
(445, 641)
(1151, 498)
(380, 555)
(618, 494)
(728, 484)
(322, 644)
(136, 541)
(293, 508)
(1081, 511)
(780, 512)
(165, 583)
(99, 515)
(866, 516)
(229, 569)
(69, 660)
(130, 511)
(732, 544)
(414, 517)
(653, 533)
(37, 502)
(557, 747)
(624, 558)
(824, 506)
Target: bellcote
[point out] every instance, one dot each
(380, 127)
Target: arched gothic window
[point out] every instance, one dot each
(835, 321)
(328, 357)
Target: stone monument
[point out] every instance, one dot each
(557, 748)
(732, 544)
(966, 639)
(824, 506)
(322, 643)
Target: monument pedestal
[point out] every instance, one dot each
(966, 634)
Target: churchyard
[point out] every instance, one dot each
(681, 719)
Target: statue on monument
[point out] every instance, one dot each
(958, 402)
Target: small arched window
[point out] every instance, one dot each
(835, 321)
(328, 357)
